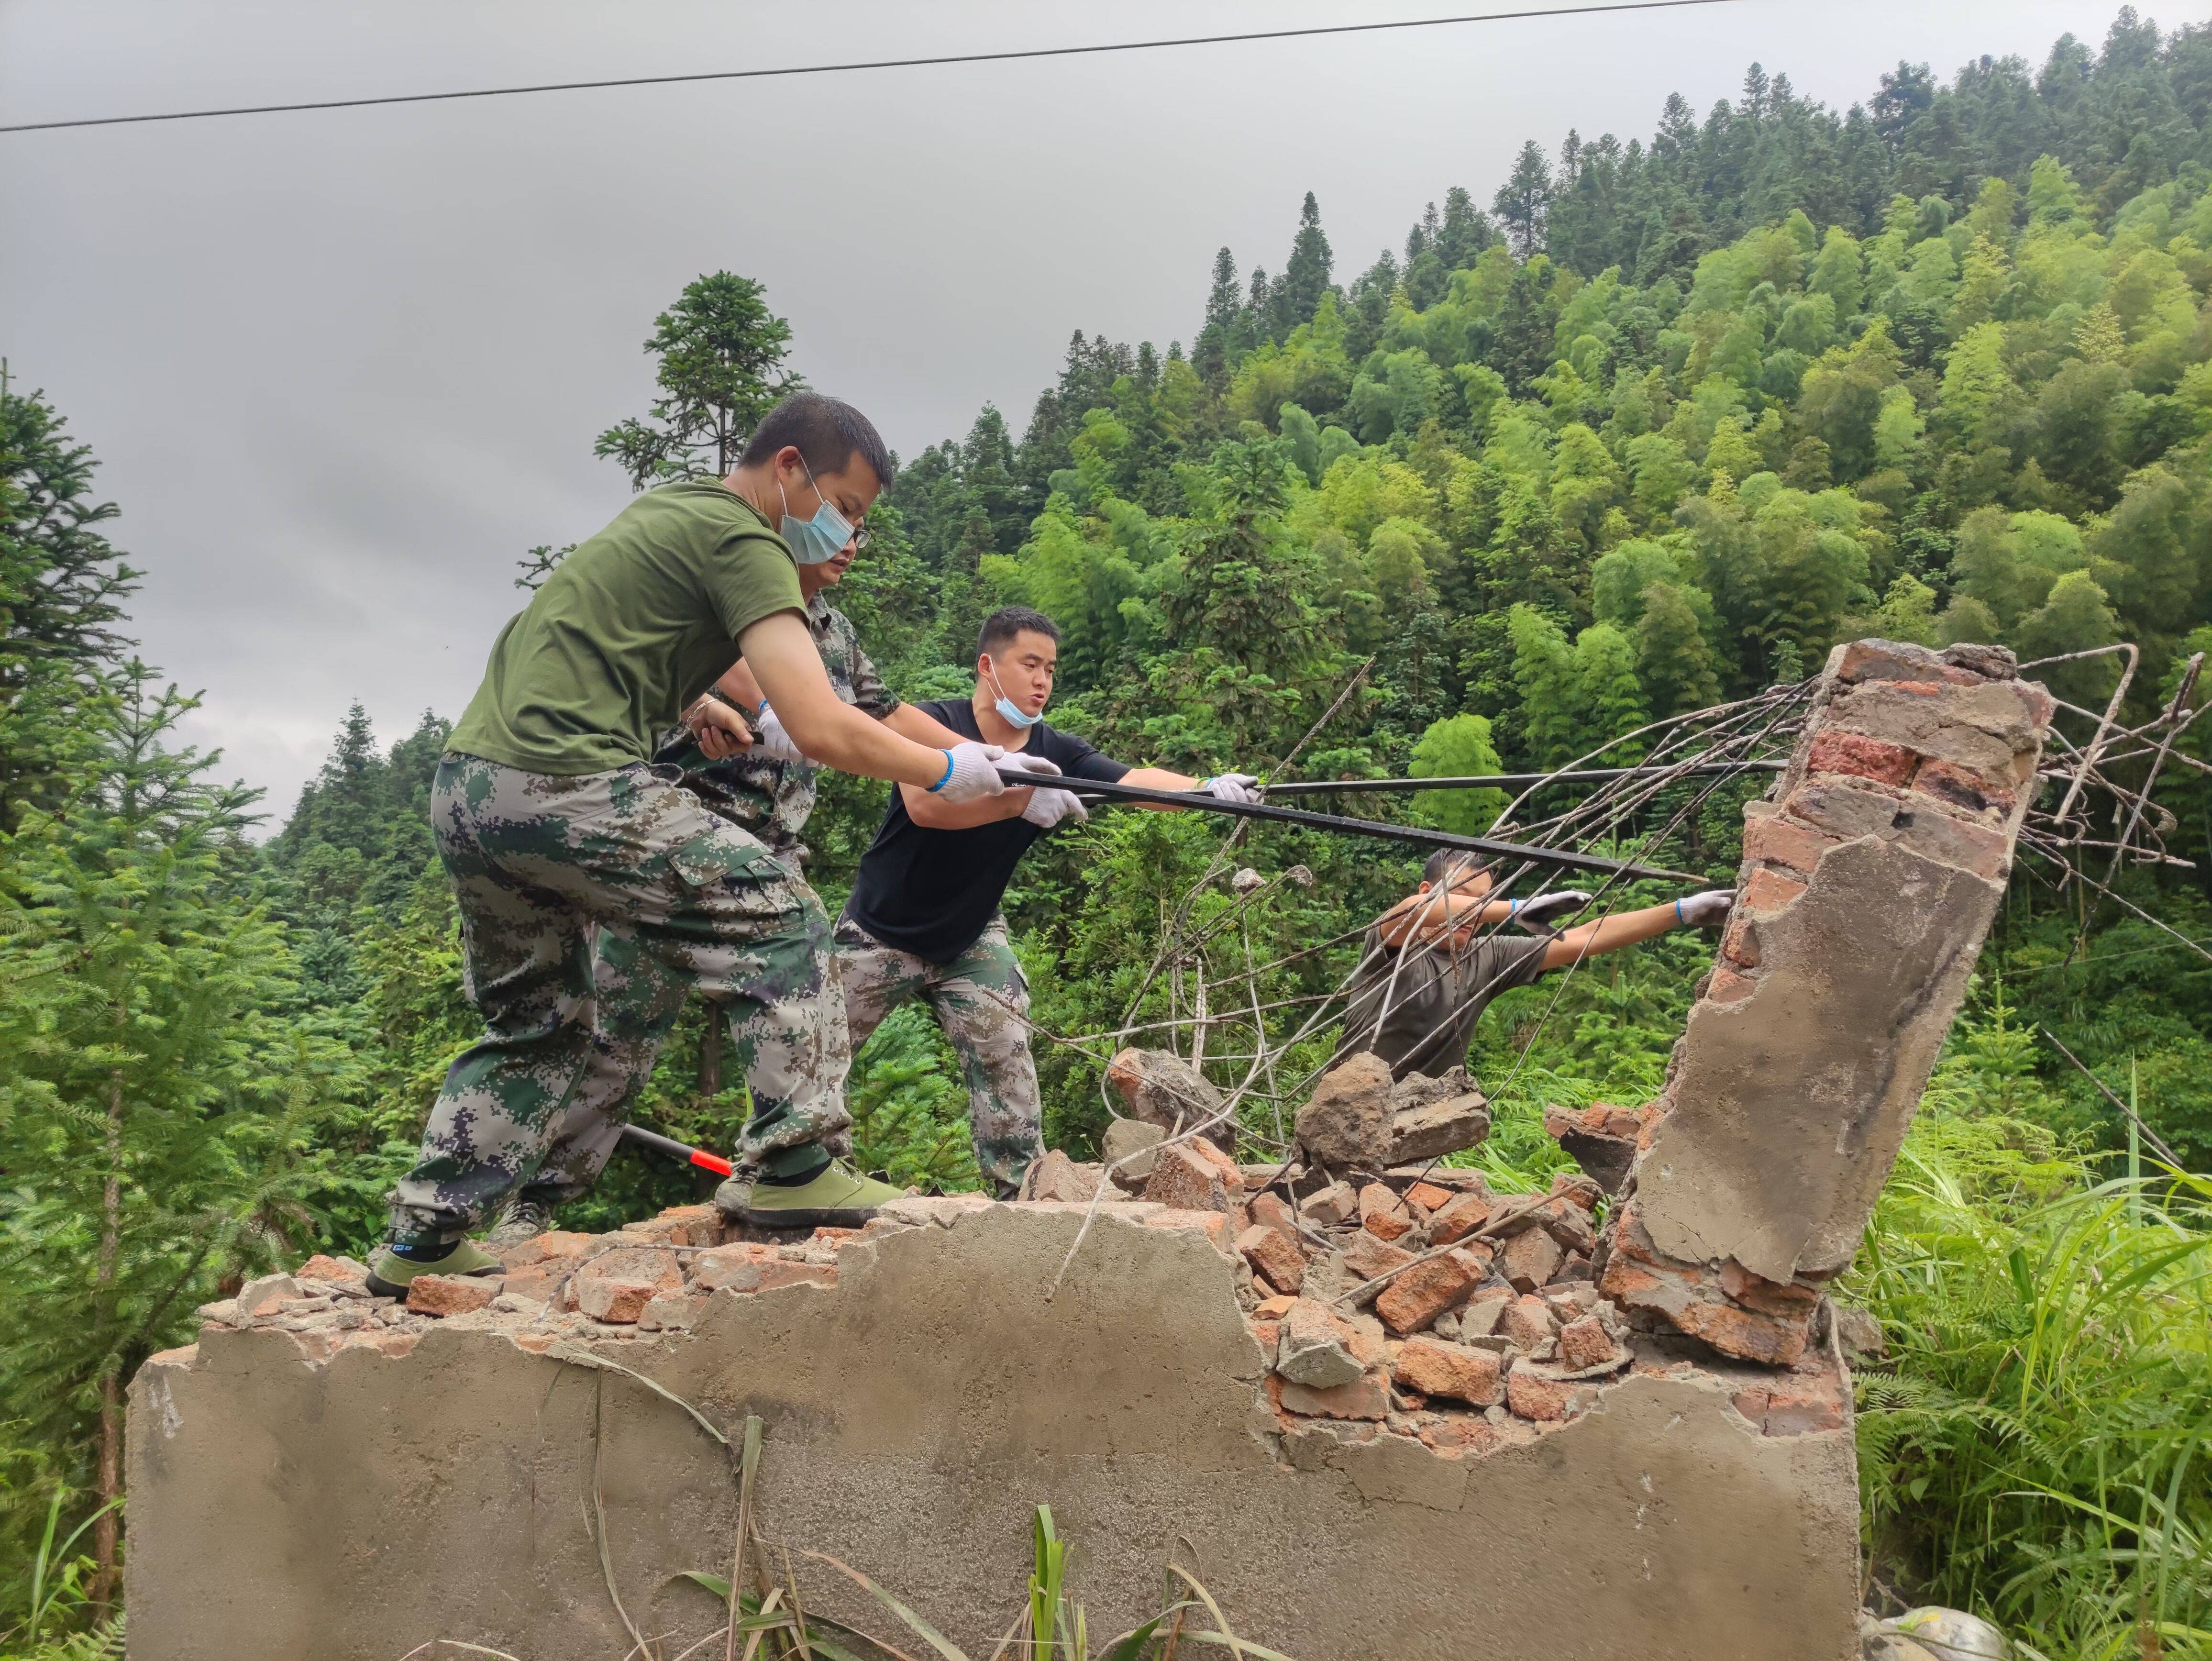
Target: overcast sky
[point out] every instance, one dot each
(341, 367)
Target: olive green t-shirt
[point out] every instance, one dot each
(633, 626)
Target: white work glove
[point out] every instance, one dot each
(1707, 910)
(971, 773)
(1536, 915)
(1022, 762)
(771, 741)
(1231, 787)
(1048, 808)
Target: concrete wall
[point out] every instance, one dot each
(354, 1508)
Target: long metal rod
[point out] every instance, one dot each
(1488, 781)
(1560, 858)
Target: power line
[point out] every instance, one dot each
(841, 69)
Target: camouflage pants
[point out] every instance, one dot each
(977, 999)
(589, 907)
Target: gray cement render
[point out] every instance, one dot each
(355, 1510)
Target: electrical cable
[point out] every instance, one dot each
(841, 69)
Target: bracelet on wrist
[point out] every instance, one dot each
(939, 785)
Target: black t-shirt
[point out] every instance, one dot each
(933, 892)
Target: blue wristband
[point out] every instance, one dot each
(1512, 907)
(763, 707)
(939, 785)
(1678, 910)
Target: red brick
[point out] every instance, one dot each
(1272, 1210)
(1273, 1257)
(791, 1275)
(619, 1302)
(1586, 1343)
(1460, 1433)
(555, 1243)
(1782, 842)
(327, 1269)
(1578, 1190)
(1382, 1214)
(1740, 945)
(1184, 1179)
(451, 1294)
(1533, 1397)
(1769, 891)
(1273, 1308)
(1434, 1368)
(1860, 757)
(1751, 1402)
(1839, 809)
(1726, 986)
(1742, 1333)
(684, 1226)
(386, 1342)
(1566, 1217)
(1429, 1197)
(1799, 1405)
(1363, 1398)
(1465, 1214)
(1780, 1298)
(1426, 1290)
(1531, 1258)
(1961, 787)
(1864, 660)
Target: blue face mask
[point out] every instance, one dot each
(818, 540)
(1009, 711)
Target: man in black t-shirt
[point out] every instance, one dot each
(923, 919)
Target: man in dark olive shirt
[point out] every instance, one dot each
(923, 919)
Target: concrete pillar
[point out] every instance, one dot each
(1870, 876)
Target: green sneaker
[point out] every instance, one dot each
(839, 1197)
(523, 1222)
(389, 1272)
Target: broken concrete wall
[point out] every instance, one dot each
(1870, 875)
(301, 1488)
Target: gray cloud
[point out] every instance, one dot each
(343, 369)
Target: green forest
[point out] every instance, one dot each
(1653, 430)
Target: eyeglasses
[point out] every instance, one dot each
(860, 537)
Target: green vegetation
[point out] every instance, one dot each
(1660, 427)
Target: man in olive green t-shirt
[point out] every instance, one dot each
(557, 830)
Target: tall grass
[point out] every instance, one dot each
(2036, 1447)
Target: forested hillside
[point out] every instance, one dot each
(1654, 428)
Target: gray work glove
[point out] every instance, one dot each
(972, 773)
(1231, 787)
(1536, 915)
(770, 740)
(1707, 910)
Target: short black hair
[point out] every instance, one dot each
(1003, 625)
(827, 431)
(1451, 866)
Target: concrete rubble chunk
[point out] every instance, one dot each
(1194, 1175)
(1346, 1124)
(1527, 1322)
(1056, 1177)
(1327, 1207)
(1127, 1151)
(1446, 1127)
(1314, 1347)
(1161, 1088)
(265, 1292)
(1531, 1258)
(1366, 1256)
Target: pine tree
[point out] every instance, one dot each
(1524, 199)
(1305, 277)
(1210, 355)
(161, 1117)
(721, 354)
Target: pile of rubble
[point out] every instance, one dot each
(1405, 1300)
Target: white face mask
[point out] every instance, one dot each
(1008, 710)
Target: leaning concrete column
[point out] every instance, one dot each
(1870, 876)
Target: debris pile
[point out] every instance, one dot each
(1408, 1301)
